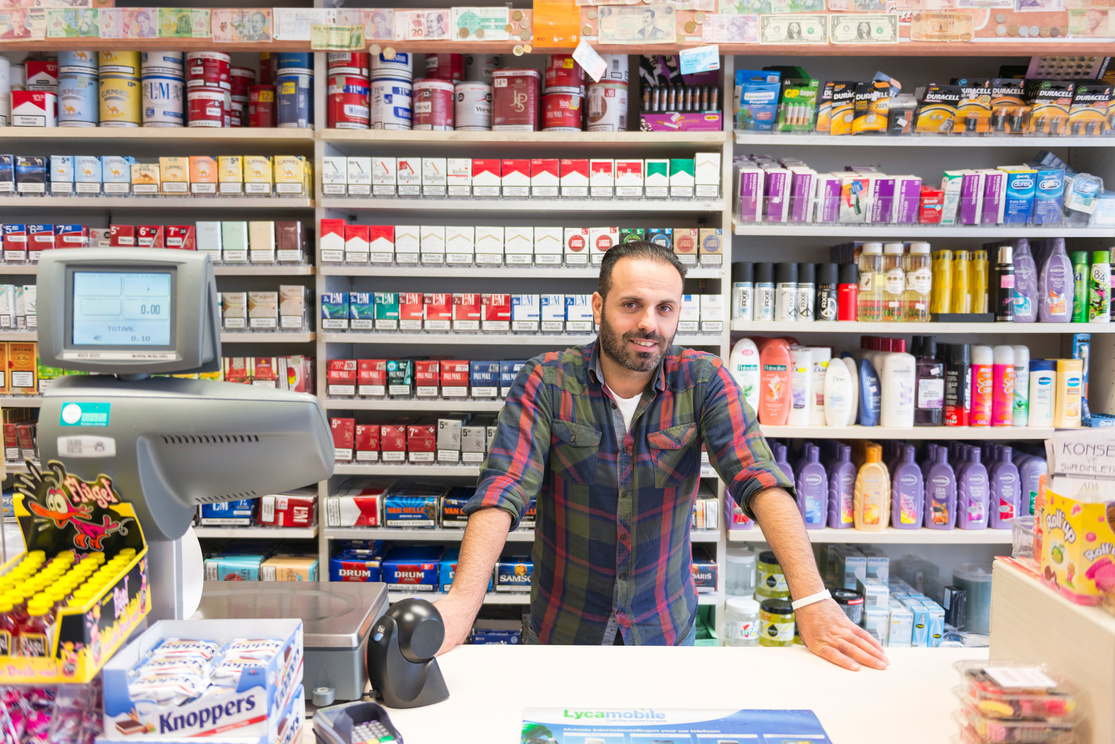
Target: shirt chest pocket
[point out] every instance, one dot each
(574, 449)
(674, 454)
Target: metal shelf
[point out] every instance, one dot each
(491, 598)
(392, 533)
(495, 272)
(888, 536)
(261, 270)
(97, 203)
(499, 205)
(257, 533)
(491, 339)
(1021, 329)
(468, 405)
(18, 335)
(21, 401)
(998, 433)
(384, 136)
(161, 135)
(266, 337)
(408, 469)
(993, 232)
(17, 467)
(826, 140)
(13, 269)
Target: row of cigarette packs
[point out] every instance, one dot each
(491, 312)
(121, 175)
(465, 245)
(450, 439)
(297, 509)
(539, 178)
(282, 310)
(256, 567)
(422, 378)
(230, 242)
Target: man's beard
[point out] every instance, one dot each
(618, 350)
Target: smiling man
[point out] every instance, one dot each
(607, 438)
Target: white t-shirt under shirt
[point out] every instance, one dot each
(627, 407)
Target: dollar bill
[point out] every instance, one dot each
(26, 24)
(489, 24)
(293, 24)
(236, 25)
(337, 38)
(637, 25)
(421, 25)
(861, 6)
(793, 29)
(184, 23)
(863, 29)
(730, 29)
(64, 23)
(936, 26)
(1092, 23)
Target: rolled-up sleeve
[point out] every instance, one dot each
(516, 465)
(735, 445)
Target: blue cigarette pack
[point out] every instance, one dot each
(361, 311)
(483, 379)
(508, 371)
(413, 568)
(1049, 191)
(233, 568)
(347, 568)
(7, 174)
(410, 510)
(513, 574)
(704, 572)
(228, 513)
(1021, 184)
(334, 311)
(447, 569)
(61, 174)
(496, 637)
(453, 507)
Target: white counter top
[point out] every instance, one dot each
(491, 685)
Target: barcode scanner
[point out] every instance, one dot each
(401, 650)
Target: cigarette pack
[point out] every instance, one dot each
(431, 240)
(656, 178)
(234, 241)
(434, 177)
(411, 311)
(288, 510)
(576, 246)
(367, 443)
(116, 174)
(602, 180)
(261, 242)
(508, 371)
(371, 378)
(544, 178)
(292, 306)
(361, 311)
(87, 174)
(574, 178)
(578, 313)
(712, 313)
(460, 245)
(552, 313)
(466, 312)
(427, 378)
(421, 443)
(203, 175)
(61, 175)
(334, 311)
(548, 245)
(293, 175)
(515, 178)
(386, 313)
(518, 245)
(525, 313)
(332, 240)
(258, 176)
(685, 245)
(682, 178)
(514, 574)
(497, 313)
(408, 244)
(408, 176)
(710, 246)
(263, 311)
(400, 384)
(489, 245)
(454, 379)
(706, 175)
(689, 319)
(359, 508)
(359, 176)
(487, 175)
(334, 175)
(600, 240)
(383, 176)
(344, 438)
(230, 174)
(629, 178)
(458, 176)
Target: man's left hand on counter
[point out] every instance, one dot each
(828, 633)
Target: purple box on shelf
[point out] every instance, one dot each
(776, 184)
(750, 190)
(803, 184)
(971, 198)
(994, 197)
(907, 191)
(678, 122)
(882, 200)
(828, 197)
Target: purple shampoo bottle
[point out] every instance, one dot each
(780, 453)
(927, 462)
(972, 493)
(1025, 283)
(1006, 490)
(1029, 472)
(812, 487)
(842, 484)
(940, 493)
(1056, 286)
(907, 493)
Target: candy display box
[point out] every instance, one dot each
(255, 711)
(58, 511)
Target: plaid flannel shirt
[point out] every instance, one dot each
(614, 507)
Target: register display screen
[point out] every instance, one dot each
(122, 308)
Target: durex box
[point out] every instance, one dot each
(412, 568)
(513, 574)
(1049, 192)
(264, 706)
(1020, 189)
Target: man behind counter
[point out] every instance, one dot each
(607, 437)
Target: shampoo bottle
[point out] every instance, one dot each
(851, 365)
(899, 370)
(1006, 490)
(822, 355)
(1043, 392)
(982, 366)
(972, 493)
(929, 393)
(1055, 290)
(872, 492)
(743, 363)
(930, 458)
(1002, 386)
(774, 395)
(908, 493)
(812, 487)
(1029, 476)
(786, 292)
(1080, 277)
(781, 453)
(839, 408)
(842, 483)
(940, 493)
(869, 394)
(801, 386)
(1025, 283)
(1021, 412)
(1070, 387)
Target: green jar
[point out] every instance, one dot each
(776, 623)
(771, 582)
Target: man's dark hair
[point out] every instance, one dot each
(643, 250)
